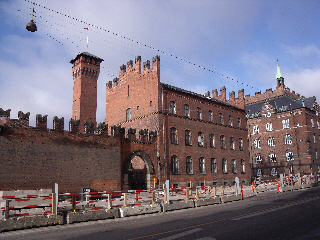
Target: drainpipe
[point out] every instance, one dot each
(163, 136)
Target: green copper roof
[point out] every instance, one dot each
(279, 74)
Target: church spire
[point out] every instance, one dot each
(280, 79)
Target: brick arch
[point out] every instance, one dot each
(150, 174)
(144, 157)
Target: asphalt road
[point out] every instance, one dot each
(289, 215)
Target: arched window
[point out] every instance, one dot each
(271, 142)
(128, 114)
(202, 167)
(289, 155)
(224, 166)
(199, 115)
(288, 139)
(212, 142)
(186, 110)
(210, 116)
(223, 142)
(175, 165)
(172, 107)
(272, 157)
(234, 167)
(173, 133)
(258, 158)
(232, 143)
(200, 139)
(189, 166)
(242, 166)
(213, 165)
(220, 118)
(188, 137)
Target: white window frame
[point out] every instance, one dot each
(256, 143)
(200, 139)
(258, 158)
(288, 139)
(255, 129)
(273, 172)
(271, 141)
(285, 124)
(269, 127)
(272, 157)
(288, 156)
(259, 172)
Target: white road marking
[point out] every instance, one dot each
(182, 234)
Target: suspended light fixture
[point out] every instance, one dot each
(31, 26)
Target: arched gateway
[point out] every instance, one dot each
(138, 171)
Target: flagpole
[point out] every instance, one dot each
(87, 38)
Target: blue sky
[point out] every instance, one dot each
(238, 41)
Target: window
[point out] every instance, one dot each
(255, 129)
(189, 165)
(128, 114)
(222, 140)
(212, 142)
(234, 169)
(269, 127)
(200, 139)
(272, 157)
(273, 171)
(172, 107)
(240, 144)
(210, 116)
(239, 122)
(224, 166)
(242, 166)
(259, 172)
(213, 165)
(257, 143)
(220, 118)
(186, 110)
(312, 123)
(199, 116)
(188, 137)
(271, 142)
(202, 168)
(289, 156)
(285, 124)
(288, 139)
(230, 121)
(314, 138)
(318, 125)
(174, 164)
(173, 133)
(232, 143)
(258, 158)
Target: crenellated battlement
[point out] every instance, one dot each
(143, 136)
(41, 122)
(237, 102)
(280, 90)
(134, 70)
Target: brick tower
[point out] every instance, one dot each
(85, 72)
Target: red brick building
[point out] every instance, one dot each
(284, 132)
(200, 139)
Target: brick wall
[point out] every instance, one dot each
(302, 133)
(33, 159)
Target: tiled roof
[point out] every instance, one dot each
(280, 104)
(167, 86)
(86, 54)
